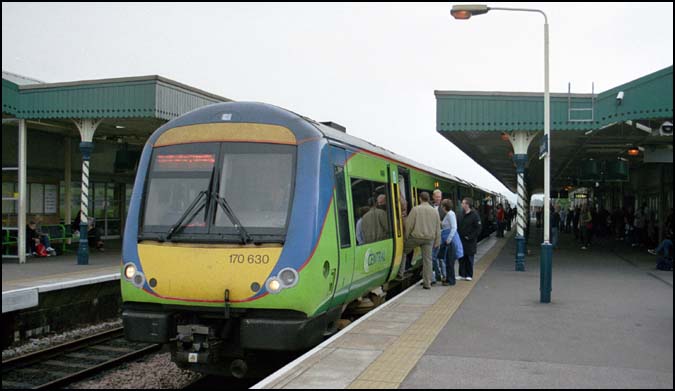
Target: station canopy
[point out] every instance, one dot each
(585, 128)
(131, 108)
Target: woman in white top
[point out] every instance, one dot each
(449, 222)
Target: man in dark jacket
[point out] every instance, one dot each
(469, 228)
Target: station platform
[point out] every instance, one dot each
(21, 283)
(609, 325)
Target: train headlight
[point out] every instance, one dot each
(129, 271)
(139, 280)
(273, 285)
(288, 277)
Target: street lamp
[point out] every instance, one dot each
(466, 11)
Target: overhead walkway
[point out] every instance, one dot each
(609, 325)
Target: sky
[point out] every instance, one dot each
(372, 68)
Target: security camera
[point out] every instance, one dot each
(619, 98)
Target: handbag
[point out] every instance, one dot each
(40, 250)
(457, 246)
(444, 235)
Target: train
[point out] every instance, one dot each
(241, 239)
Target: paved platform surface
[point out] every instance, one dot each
(61, 267)
(609, 325)
(21, 283)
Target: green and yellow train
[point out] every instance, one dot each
(241, 238)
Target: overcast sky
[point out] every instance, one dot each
(370, 67)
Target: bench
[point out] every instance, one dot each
(58, 233)
(8, 240)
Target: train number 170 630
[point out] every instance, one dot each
(251, 258)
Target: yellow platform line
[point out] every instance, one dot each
(393, 365)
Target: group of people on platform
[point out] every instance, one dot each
(38, 243)
(637, 229)
(505, 217)
(444, 238)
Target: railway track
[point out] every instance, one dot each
(64, 364)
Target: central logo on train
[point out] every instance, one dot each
(373, 258)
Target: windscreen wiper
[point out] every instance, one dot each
(191, 211)
(178, 226)
(245, 237)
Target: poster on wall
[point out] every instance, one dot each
(36, 198)
(51, 198)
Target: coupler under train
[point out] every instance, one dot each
(247, 343)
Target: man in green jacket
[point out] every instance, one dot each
(422, 229)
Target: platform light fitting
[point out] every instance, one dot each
(466, 11)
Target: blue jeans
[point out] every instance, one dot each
(447, 253)
(667, 247)
(437, 264)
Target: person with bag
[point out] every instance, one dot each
(37, 243)
(447, 252)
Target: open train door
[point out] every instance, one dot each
(344, 272)
(399, 178)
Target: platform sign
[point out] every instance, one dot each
(543, 147)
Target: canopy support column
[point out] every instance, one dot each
(87, 127)
(520, 141)
(67, 178)
(22, 187)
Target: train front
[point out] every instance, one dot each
(209, 265)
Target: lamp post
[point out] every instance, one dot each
(465, 12)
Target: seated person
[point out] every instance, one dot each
(93, 234)
(35, 237)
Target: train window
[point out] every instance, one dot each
(177, 176)
(403, 190)
(257, 183)
(371, 204)
(341, 201)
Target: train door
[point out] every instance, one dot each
(397, 184)
(346, 241)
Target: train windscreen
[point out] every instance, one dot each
(256, 180)
(217, 190)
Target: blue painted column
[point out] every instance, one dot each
(546, 272)
(520, 160)
(546, 261)
(86, 148)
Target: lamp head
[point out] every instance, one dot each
(466, 11)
